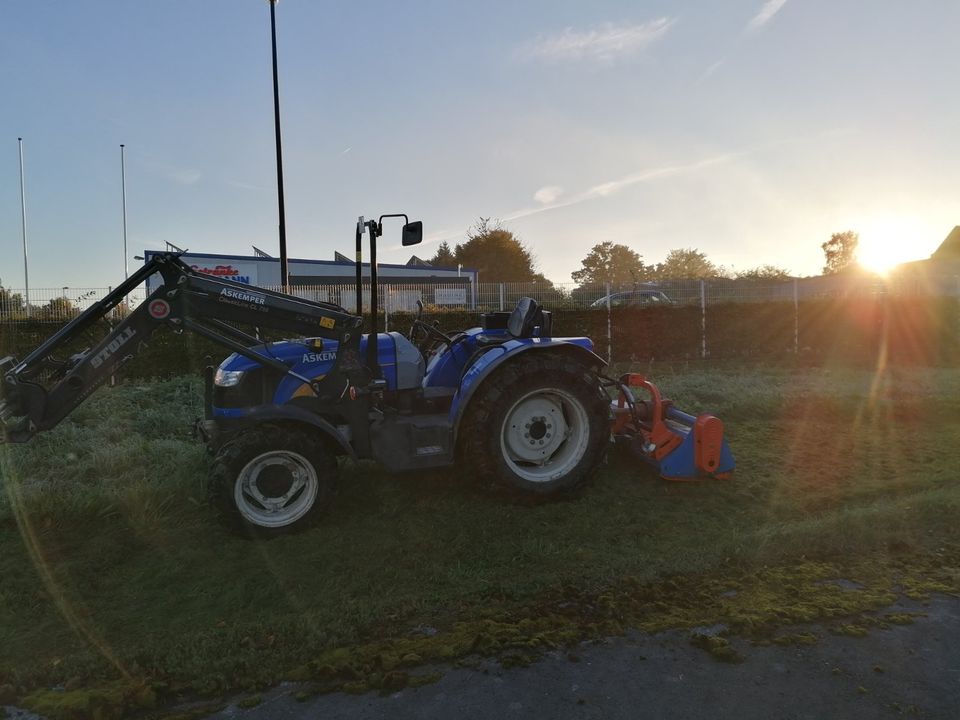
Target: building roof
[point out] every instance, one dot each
(415, 261)
(950, 248)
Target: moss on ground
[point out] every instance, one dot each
(847, 597)
(795, 639)
(105, 702)
(844, 596)
(718, 646)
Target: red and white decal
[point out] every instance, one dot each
(159, 309)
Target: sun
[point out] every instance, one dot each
(885, 243)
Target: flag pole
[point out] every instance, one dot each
(23, 226)
(123, 196)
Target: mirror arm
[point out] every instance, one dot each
(406, 220)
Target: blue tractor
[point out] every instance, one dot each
(505, 400)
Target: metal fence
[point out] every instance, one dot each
(58, 304)
(61, 304)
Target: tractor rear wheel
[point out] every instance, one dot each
(271, 480)
(540, 425)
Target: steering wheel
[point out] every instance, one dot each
(431, 331)
(432, 334)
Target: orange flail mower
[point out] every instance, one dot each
(681, 446)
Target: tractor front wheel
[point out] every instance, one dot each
(539, 426)
(272, 480)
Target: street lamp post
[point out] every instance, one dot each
(284, 272)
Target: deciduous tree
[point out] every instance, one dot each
(840, 252)
(494, 251)
(11, 303)
(687, 263)
(763, 272)
(611, 262)
(59, 308)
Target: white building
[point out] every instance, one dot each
(333, 280)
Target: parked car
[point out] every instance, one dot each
(638, 298)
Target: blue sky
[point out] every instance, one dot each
(750, 129)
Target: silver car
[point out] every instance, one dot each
(633, 298)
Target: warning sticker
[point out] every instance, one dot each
(327, 323)
(159, 309)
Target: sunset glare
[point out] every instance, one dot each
(888, 242)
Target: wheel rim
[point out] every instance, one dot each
(544, 435)
(276, 488)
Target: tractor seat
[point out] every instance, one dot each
(526, 316)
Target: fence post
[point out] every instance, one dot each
(609, 328)
(501, 297)
(796, 317)
(113, 379)
(703, 319)
(386, 310)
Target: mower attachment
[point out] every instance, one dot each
(679, 445)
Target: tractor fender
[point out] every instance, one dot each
(291, 413)
(500, 355)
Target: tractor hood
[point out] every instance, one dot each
(400, 362)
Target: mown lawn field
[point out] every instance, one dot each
(112, 565)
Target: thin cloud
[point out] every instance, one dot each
(248, 186)
(180, 175)
(605, 44)
(765, 15)
(185, 176)
(601, 190)
(706, 74)
(614, 186)
(548, 194)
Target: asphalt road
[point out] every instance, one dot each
(905, 671)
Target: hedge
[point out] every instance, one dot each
(855, 331)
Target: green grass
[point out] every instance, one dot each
(110, 557)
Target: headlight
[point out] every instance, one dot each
(228, 378)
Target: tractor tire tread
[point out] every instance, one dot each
(479, 449)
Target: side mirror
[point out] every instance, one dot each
(412, 233)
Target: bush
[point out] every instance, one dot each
(857, 331)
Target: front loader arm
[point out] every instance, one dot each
(38, 392)
(24, 393)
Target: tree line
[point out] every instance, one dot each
(501, 257)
